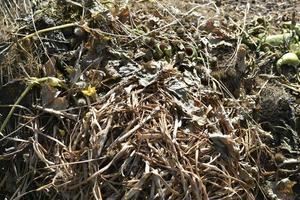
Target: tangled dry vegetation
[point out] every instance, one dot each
(148, 100)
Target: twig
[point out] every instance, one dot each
(129, 133)
(57, 112)
(49, 29)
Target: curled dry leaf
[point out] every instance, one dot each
(225, 145)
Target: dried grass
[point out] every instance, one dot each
(154, 132)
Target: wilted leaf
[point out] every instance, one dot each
(59, 103)
(225, 145)
(285, 185)
(49, 67)
(47, 94)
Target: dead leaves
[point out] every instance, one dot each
(50, 98)
(225, 145)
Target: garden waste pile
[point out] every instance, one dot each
(149, 99)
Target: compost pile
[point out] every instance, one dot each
(149, 100)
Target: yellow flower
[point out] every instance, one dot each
(90, 91)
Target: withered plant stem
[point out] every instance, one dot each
(28, 88)
(49, 29)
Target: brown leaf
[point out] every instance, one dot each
(225, 145)
(49, 67)
(59, 103)
(47, 94)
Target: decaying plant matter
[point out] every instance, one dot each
(148, 100)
